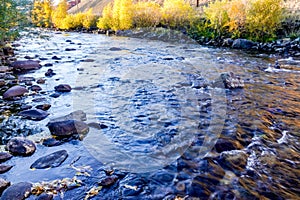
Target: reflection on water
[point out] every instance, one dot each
(153, 98)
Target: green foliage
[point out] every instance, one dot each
(10, 19)
(263, 18)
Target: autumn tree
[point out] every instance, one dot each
(41, 13)
(59, 14)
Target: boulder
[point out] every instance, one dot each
(50, 161)
(18, 191)
(34, 114)
(14, 92)
(67, 128)
(25, 65)
(63, 88)
(20, 146)
(242, 44)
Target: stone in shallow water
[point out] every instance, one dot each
(63, 88)
(36, 88)
(108, 180)
(3, 185)
(78, 115)
(21, 146)
(52, 160)
(43, 106)
(45, 196)
(4, 156)
(233, 160)
(25, 65)
(14, 92)
(18, 191)
(115, 49)
(34, 114)
(51, 142)
(5, 168)
(67, 128)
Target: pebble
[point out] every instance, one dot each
(4, 156)
(41, 81)
(20, 146)
(35, 88)
(55, 95)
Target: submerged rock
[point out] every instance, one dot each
(63, 88)
(5, 156)
(51, 142)
(5, 168)
(20, 146)
(68, 128)
(14, 91)
(36, 88)
(229, 81)
(78, 115)
(25, 65)
(18, 191)
(50, 161)
(108, 180)
(50, 73)
(43, 107)
(34, 114)
(45, 196)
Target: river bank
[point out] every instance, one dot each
(139, 97)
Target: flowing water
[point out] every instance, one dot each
(162, 124)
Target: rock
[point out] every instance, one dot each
(56, 58)
(78, 115)
(25, 65)
(3, 185)
(233, 160)
(232, 81)
(43, 107)
(35, 88)
(63, 88)
(18, 191)
(242, 44)
(50, 161)
(41, 81)
(226, 145)
(51, 142)
(5, 168)
(108, 180)
(25, 107)
(67, 128)
(227, 42)
(50, 73)
(2, 82)
(5, 156)
(34, 114)
(70, 49)
(48, 65)
(97, 125)
(14, 92)
(4, 69)
(20, 146)
(25, 79)
(115, 49)
(55, 95)
(87, 60)
(45, 196)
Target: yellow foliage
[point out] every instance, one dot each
(59, 14)
(41, 13)
(176, 13)
(88, 19)
(263, 18)
(106, 21)
(146, 14)
(217, 16)
(237, 17)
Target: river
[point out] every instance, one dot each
(162, 128)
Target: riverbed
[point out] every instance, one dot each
(158, 124)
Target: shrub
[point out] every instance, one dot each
(88, 19)
(237, 17)
(106, 22)
(122, 14)
(217, 17)
(41, 13)
(59, 14)
(177, 13)
(146, 14)
(263, 18)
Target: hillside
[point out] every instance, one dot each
(85, 5)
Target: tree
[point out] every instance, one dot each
(59, 14)
(41, 13)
